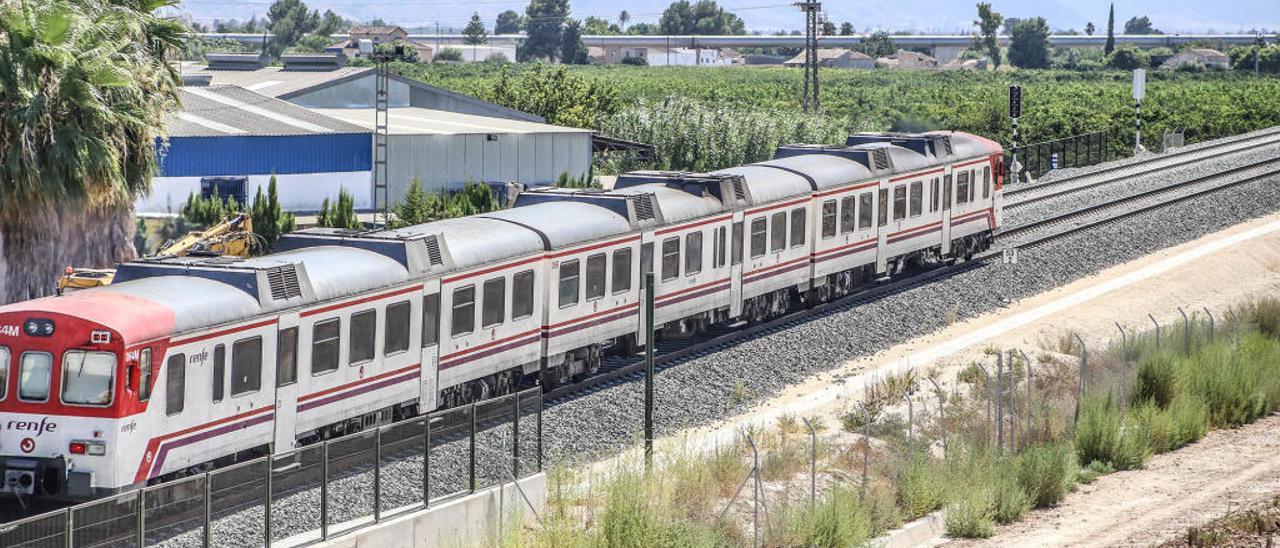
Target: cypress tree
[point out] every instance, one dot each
(1111, 32)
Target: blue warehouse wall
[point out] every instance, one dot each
(265, 154)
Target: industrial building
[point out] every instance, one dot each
(229, 141)
(311, 122)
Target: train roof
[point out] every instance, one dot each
(677, 205)
(335, 272)
(823, 170)
(471, 241)
(767, 183)
(193, 303)
(562, 224)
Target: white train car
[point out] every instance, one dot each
(186, 363)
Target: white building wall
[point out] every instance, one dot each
(303, 192)
(449, 161)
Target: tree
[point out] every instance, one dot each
(414, 208)
(543, 26)
(1140, 25)
(572, 50)
(643, 29)
(1009, 23)
(1111, 32)
(342, 214)
(508, 23)
(85, 92)
(1029, 46)
(703, 18)
(269, 219)
(988, 25)
(1127, 57)
(474, 34)
(331, 23)
(561, 98)
(623, 19)
(879, 44)
(846, 29)
(289, 21)
(1089, 28)
(448, 54)
(408, 53)
(596, 26)
(828, 29)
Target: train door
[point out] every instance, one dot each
(737, 239)
(946, 212)
(430, 374)
(646, 267)
(286, 379)
(881, 209)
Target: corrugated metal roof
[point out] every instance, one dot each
(231, 110)
(425, 121)
(277, 82)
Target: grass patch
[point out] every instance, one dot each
(921, 487)
(1103, 434)
(1045, 473)
(969, 514)
(838, 519)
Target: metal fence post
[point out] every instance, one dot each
(1153, 320)
(866, 451)
(540, 407)
(515, 439)
(208, 509)
(142, 517)
(942, 416)
(71, 529)
(473, 448)
(1212, 324)
(1124, 343)
(911, 426)
(755, 497)
(813, 462)
(987, 384)
(324, 490)
(377, 474)
(426, 462)
(1186, 331)
(266, 507)
(999, 403)
(1084, 369)
(1031, 424)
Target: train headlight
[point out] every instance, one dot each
(38, 327)
(88, 447)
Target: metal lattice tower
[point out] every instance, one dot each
(380, 186)
(811, 9)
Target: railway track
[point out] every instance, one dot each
(1023, 195)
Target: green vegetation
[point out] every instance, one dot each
(419, 207)
(270, 220)
(342, 213)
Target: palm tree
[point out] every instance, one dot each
(84, 89)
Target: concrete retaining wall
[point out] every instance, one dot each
(473, 520)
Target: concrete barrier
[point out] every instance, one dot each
(466, 521)
(926, 531)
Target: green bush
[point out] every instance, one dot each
(921, 487)
(1010, 501)
(342, 214)
(1045, 472)
(969, 514)
(1155, 380)
(1239, 382)
(1128, 58)
(1183, 422)
(1264, 314)
(838, 519)
(1103, 434)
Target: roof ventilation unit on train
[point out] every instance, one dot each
(639, 208)
(928, 144)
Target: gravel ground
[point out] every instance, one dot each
(702, 391)
(1015, 216)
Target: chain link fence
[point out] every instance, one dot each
(315, 491)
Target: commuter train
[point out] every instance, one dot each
(186, 363)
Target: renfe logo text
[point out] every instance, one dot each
(32, 426)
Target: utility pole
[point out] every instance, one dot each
(811, 9)
(648, 371)
(1139, 92)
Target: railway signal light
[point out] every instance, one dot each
(1015, 101)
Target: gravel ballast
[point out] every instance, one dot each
(710, 388)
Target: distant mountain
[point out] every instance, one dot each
(925, 16)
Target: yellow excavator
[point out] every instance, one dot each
(233, 237)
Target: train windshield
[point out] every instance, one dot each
(88, 377)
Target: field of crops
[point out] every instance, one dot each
(1056, 103)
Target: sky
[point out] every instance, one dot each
(933, 16)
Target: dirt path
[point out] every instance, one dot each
(1227, 470)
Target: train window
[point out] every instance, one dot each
(4, 371)
(463, 318)
(721, 256)
(395, 334)
(799, 216)
(646, 259)
(829, 219)
(596, 267)
(962, 188)
(493, 309)
(621, 271)
(933, 195)
(670, 258)
(88, 378)
(431, 319)
(219, 372)
(986, 182)
(884, 206)
(522, 295)
(848, 215)
(917, 198)
(778, 231)
(865, 210)
(758, 242)
(692, 253)
(33, 376)
(325, 337)
(144, 374)
(287, 352)
(946, 192)
(246, 366)
(736, 255)
(900, 203)
(363, 332)
(568, 283)
(175, 386)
